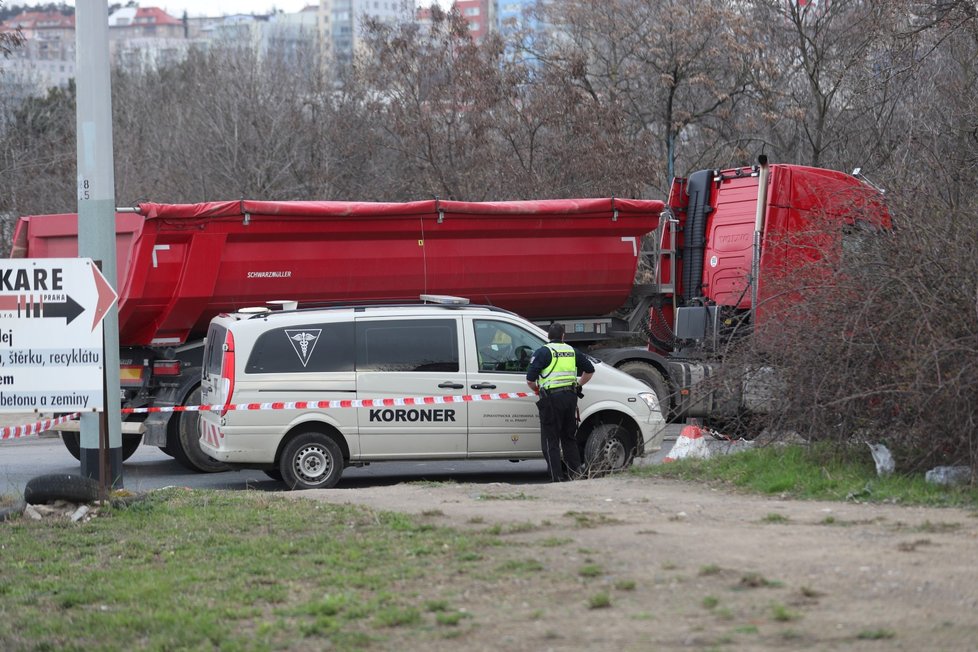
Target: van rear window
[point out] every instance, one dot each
(214, 351)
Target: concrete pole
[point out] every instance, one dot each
(96, 216)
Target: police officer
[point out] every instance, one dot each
(552, 374)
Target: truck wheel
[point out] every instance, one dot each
(311, 461)
(72, 441)
(651, 377)
(131, 442)
(183, 440)
(609, 447)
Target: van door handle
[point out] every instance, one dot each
(483, 386)
(451, 386)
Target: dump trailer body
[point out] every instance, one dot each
(179, 265)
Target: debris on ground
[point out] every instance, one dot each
(948, 475)
(883, 459)
(695, 442)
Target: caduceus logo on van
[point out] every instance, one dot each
(303, 341)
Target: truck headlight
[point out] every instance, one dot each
(651, 400)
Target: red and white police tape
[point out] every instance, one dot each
(13, 432)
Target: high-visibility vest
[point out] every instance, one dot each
(562, 370)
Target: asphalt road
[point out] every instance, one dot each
(149, 468)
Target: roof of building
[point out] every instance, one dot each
(140, 16)
(34, 20)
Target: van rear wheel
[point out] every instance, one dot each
(311, 461)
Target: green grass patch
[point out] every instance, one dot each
(185, 569)
(554, 542)
(398, 617)
(814, 472)
(754, 580)
(591, 519)
(599, 601)
(876, 635)
(450, 619)
(590, 570)
(510, 496)
(782, 614)
(521, 566)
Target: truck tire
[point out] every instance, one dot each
(183, 440)
(60, 486)
(311, 460)
(651, 376)
(72, 441)
(609, 447)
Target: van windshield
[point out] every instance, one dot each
(214, 349)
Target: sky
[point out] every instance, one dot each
(220, 7)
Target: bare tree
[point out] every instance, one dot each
(251, 123)
(37, 154)
(464, 120)
(823, 68)
(676, 68)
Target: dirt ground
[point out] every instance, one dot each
(690, 567)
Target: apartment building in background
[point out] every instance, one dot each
(142, 38)
(341, 24)
(47, 57)
(480, 16)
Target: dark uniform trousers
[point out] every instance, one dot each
(558, 427)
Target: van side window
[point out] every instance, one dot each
(407, 345)
(313, 348)
(503, 346)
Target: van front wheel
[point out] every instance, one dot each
(609, 448)
(311, 461)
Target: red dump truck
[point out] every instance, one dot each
(722, 233)
(180, 265)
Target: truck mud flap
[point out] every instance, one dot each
(155, 427)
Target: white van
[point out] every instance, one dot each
(392, 352)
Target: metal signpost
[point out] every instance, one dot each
(96, 219)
